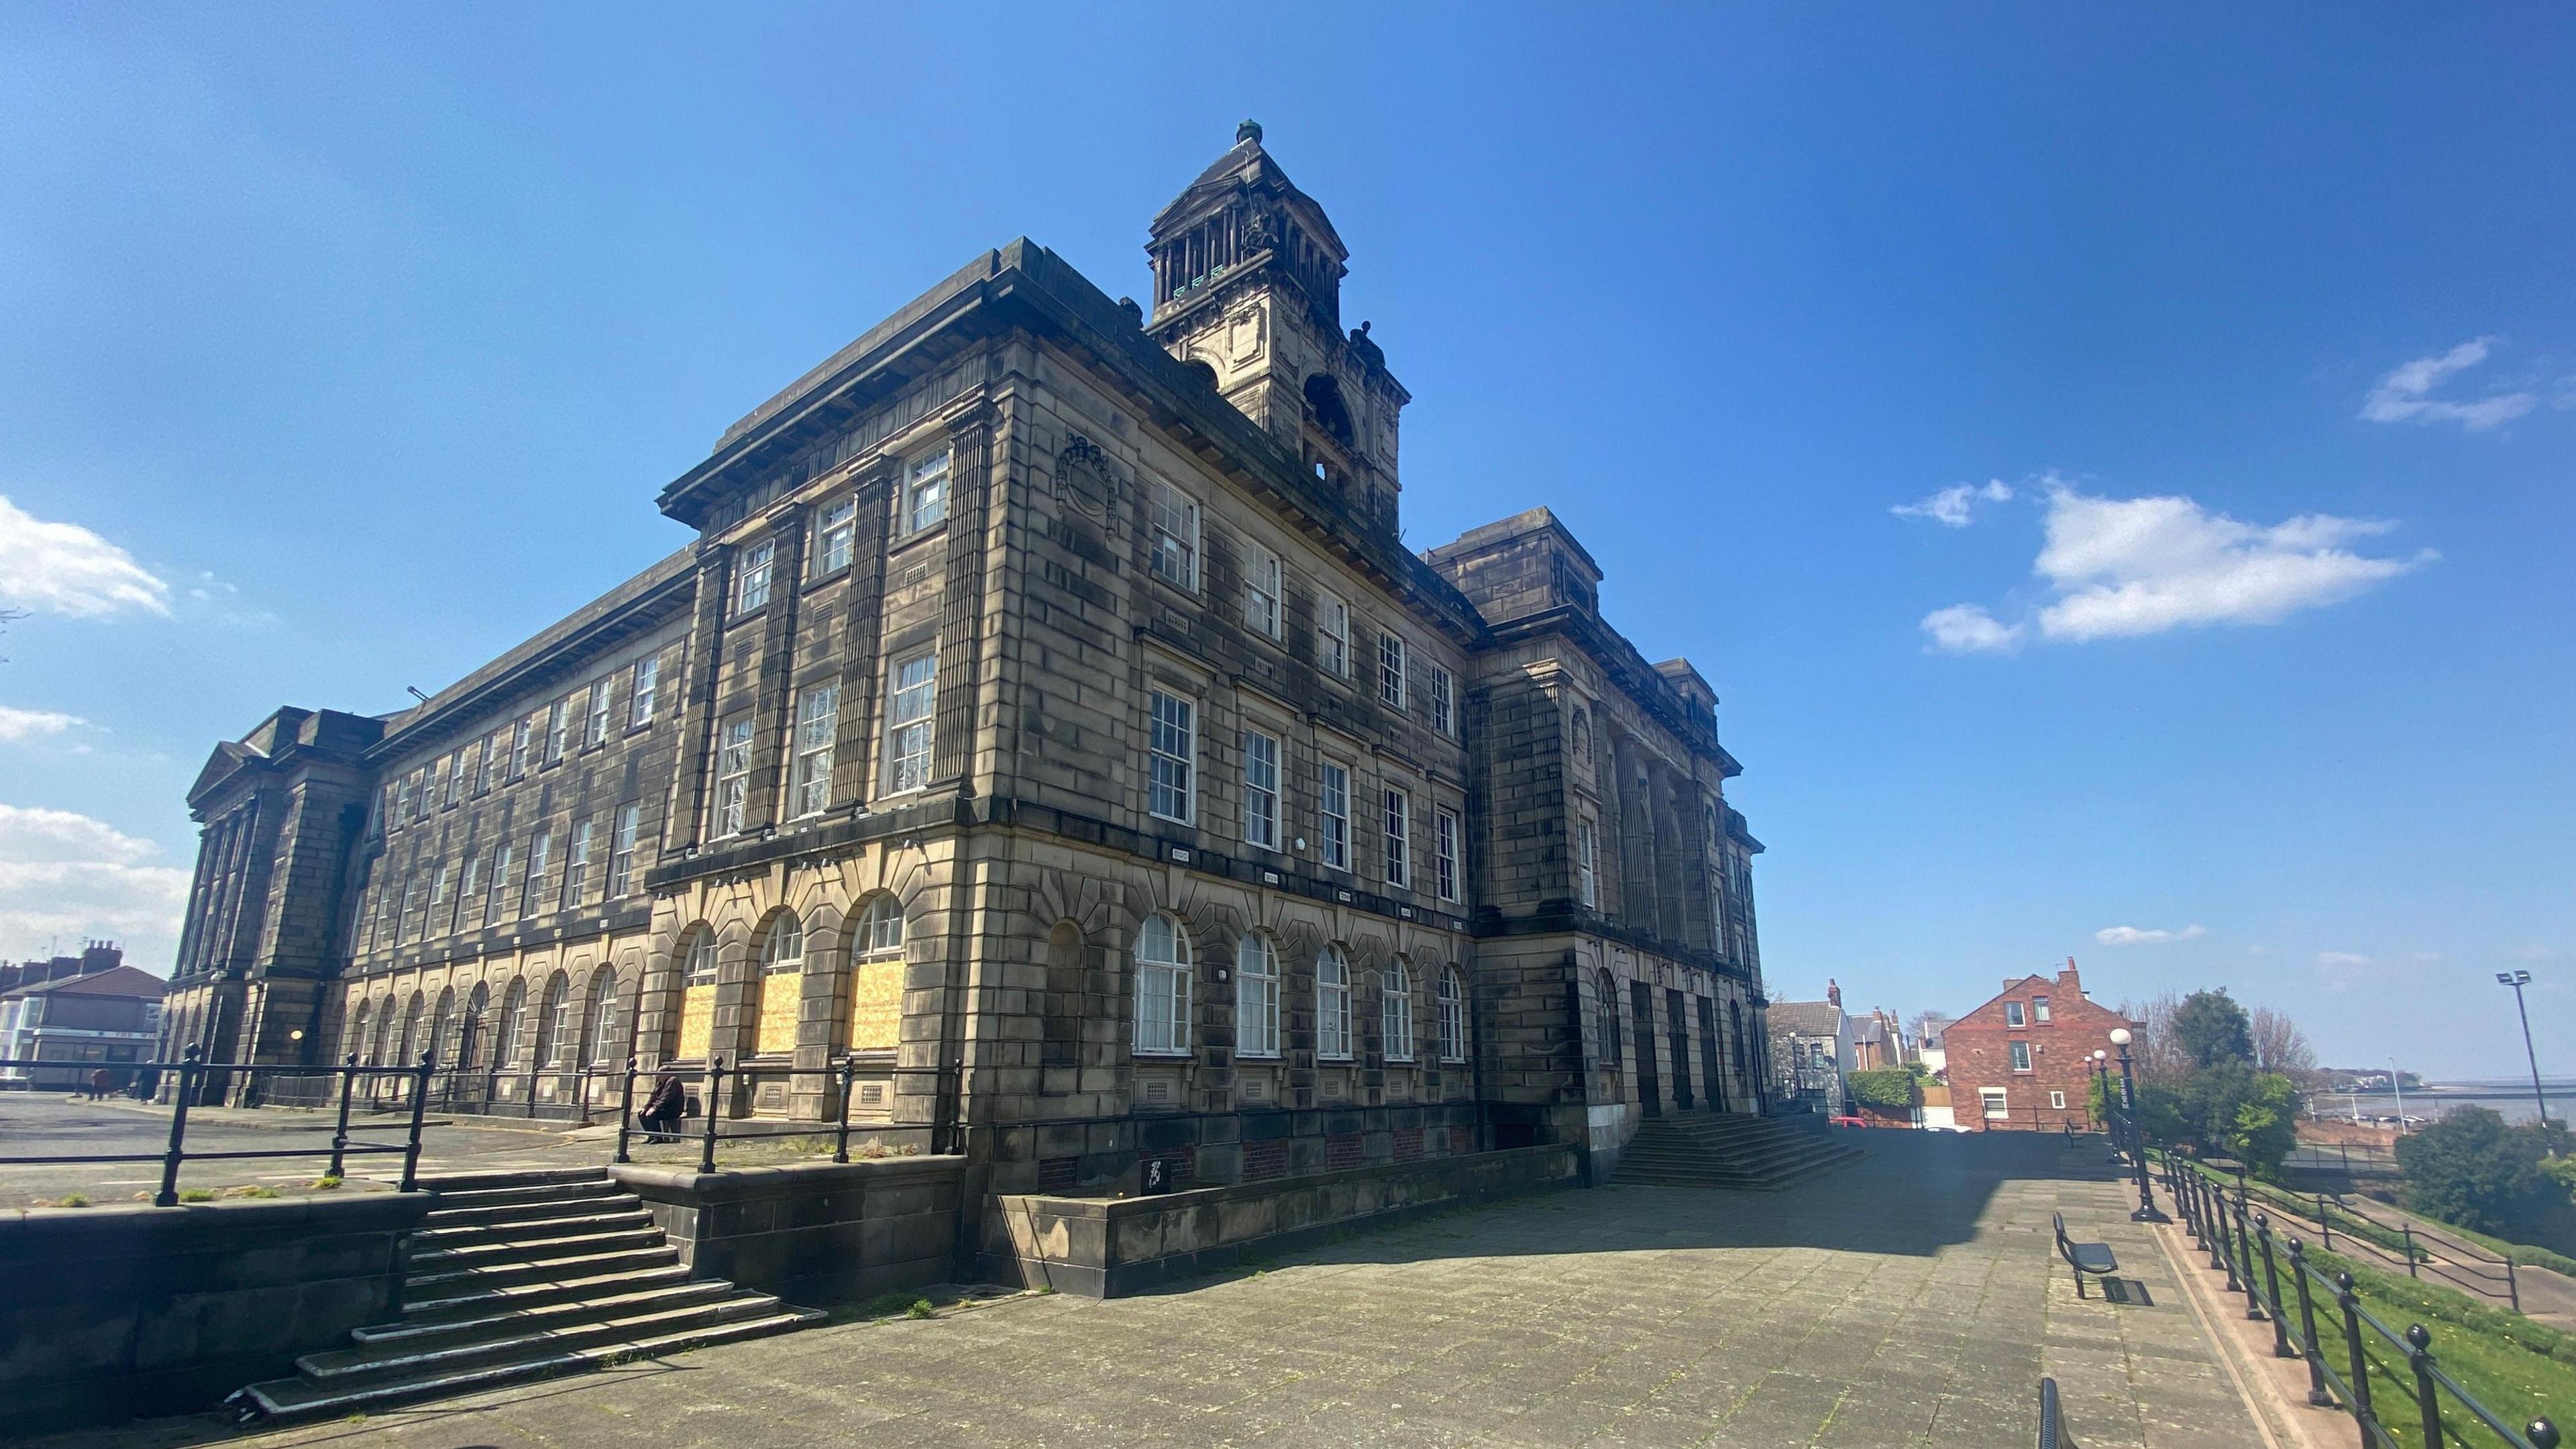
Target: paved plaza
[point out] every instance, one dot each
(1913, 1298)
(53, 1124)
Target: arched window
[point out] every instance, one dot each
(1395, 1011)
(1333, 1005)
(1331, 414)
(701, 956)
(439, 1017)
(603, 1033)
(696, 1027)
(1256, 997)
(1162, 987)
(784, 950)
(876, 980)
(514, 1019)
(412, 1045)
(1609, 1002)
(554, 1013)
(1453, 1017)
(471, 1049)
(357, 1037)
(782, 956)
(880, 933)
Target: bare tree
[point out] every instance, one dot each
(1928, 1024)
(2155, 1052)
(2279, 1046)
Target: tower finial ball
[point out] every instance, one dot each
(1250, 130)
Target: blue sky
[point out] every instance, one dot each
(2115, 468)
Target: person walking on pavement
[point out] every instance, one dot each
(660, 1118)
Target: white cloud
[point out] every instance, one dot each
(63, 568)
(1953, 506)
(2341, 959)
(2532, 953)
(20, 725)
(2405, 395)
(2120, 567)
(2425, 958)
(65, 877)
(1969, 629)
(2133, 936)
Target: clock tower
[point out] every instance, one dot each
(1248, 284)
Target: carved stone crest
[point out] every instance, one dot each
(1084, 479)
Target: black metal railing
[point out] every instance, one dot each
(2356, 1344)
(2392, 1242)
(188, 1078)
(513, 1090)
(714, 1128)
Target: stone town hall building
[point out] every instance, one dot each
(1047, 719)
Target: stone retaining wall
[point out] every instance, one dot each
(1111, 1247)
(814, 1233)
(110, 1313)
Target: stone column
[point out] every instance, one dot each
(774, 688)
(961, 595)
(684, 822)
(855, 766)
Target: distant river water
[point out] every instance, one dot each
(2509, 1100)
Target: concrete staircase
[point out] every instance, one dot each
(1728, 1149)
(522, 1275)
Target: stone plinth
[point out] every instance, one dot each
(1110, 1247)
(812, 1233)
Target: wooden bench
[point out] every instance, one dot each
(2093, 1258)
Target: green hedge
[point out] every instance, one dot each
(1891, 1089)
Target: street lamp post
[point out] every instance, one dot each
(2146, 1212)
(2397, 1084)
(2102, 1076)
(2518, 980)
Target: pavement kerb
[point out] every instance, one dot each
(2275, 1390)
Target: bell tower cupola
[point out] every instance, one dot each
(1248, 282)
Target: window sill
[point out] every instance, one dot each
(907, 542)
(1159, 1054)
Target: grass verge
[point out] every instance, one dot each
(2513, 1366)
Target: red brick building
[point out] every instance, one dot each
(2021, 1061)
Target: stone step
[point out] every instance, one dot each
(520, 1276)
(467, 1255)
(515, 1177)
(442, 1238)
(561, 1207)
(455, 1280)
(533, 1293)
(1745, 1153)
(608, 1298)
(400, 1361)
(301, 1399)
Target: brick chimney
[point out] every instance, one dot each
(2067, 979)
(1833, 992)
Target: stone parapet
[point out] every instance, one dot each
(813, 1233)
(119, 1312)
(1112, 1247)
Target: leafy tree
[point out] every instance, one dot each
(2228, 1110)
(2470, 1168)
(2212, 1029)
